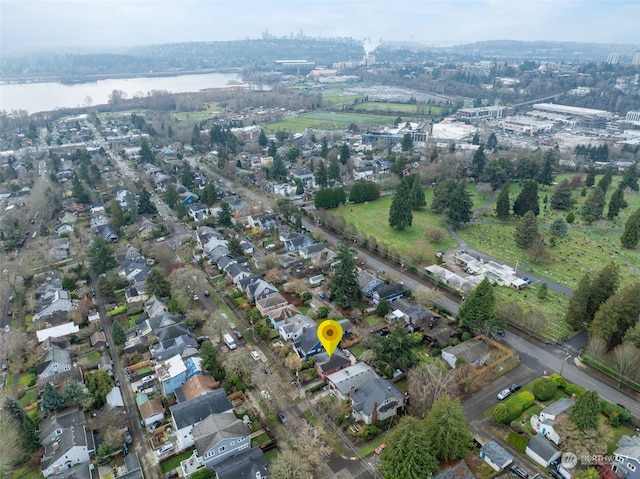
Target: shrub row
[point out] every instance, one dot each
(544, 388)
(517, 441)
(511, 409)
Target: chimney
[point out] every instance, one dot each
(56, 446)
(374, 414)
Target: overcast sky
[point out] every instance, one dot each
(27, 25)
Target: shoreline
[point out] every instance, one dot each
(77, 80)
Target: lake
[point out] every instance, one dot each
(36, 97)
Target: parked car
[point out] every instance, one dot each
(555, 474)
(255, 355)
(518, 471)
(282, 418)
(265, 394)
(147, 379)
(206, 293)
(165, 448)
(526, 280)
(238, 334)
(128, 439)
(514, 387)
(504, 394)
(196, 297)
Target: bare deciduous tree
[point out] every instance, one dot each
(428, 297)
(597, 348)
(11, 448)
(590, 441)
(534, 321)
(289, 465)
(427, 382)
(626, 358)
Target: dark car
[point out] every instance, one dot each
(238, 334)
(555, 474)
(518, 471)
(282, 418)
(128, 439)
(514, 387)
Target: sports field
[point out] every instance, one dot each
(325, 120)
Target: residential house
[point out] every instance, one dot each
(349, 379)
(297, 241)
(495, 455)
(98, 339)
(121, 197)
(311, 251)
(368, 283)
(544, 423)
(107, 233)
(249, 463)
(98, 219)
(64, 228)
(270, 303)
(132, 466)
(58, 331)
(151, 410)
(414, 316)
(216, 253)
(237, 272)
(541, 450)
(60, 379)
(264, 222)
(172, 374)
(199, 211)
(195, 386)
(136, 293)
(326, 364)
(218, 437)
(459, 470)
(474, 352)
(225, 261)
(188, 197)
(204, 234)
(163, 319)
(363, 172)
(376, 400)
(308, 344)
(259, 289)
(627, 458)
(66, 441)
(114, 397)
(93, 315)
(96, 208)
(55, 361)
(388, 292)
(293, 328)
(184, 346)
(305, 176)
(244, 283)
(52, 298)
(135, 270)
(186, 415)
(80, 471)
(148, 229)
(154, 306)
(281, 316)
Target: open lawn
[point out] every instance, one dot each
(29, 398)
(332, 97)
(25, 379)
(26, 473)
(391, 108)
(373, 219)
(174, 462)
(329, 120)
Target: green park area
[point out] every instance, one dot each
(403, 109)
(325, 120)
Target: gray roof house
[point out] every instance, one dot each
(163, 319)
(55, 361)
(495, 455)
(415, 316)
(308, 344)
(236, 272)
(541, 450)
(376, 400)
(108, 233)
(135, 270)
(474, 352)
(308, 252)
(80, 471)
(186, 415)
(217, 431)
(351, 378)
(627, 455)
(260, 289)
(250, 463)
(134, 470)
(294, 243)
(544, 422)
(53, 299)
(388, 292)
(460, 470)
(66, 441)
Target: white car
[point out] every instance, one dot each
(196, 297)
(147, 379)
(165, 448)
(504, 394)
(265, 394)
(255, 355)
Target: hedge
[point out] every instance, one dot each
(559, 380)
(517, 441)
(506, 412)
(544, 388)
(572, 389)
(524, 399)
(614, 413)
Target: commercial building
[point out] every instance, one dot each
(474, 115)
(391, 136)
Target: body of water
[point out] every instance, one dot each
(36, 97)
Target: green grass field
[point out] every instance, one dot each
(324, 120)
(401, 108)
(333, 97)
(174, 462)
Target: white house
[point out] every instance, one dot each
(541, 450)
(495, 455)
(474, 352)
(544, 423)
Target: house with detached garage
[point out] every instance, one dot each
(544, 423)
(541, 450)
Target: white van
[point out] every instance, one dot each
(255, 355)
(165, 448)
(228, 340)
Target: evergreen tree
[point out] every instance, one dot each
(526, 230)
(558, 227)
(459, 207)
(492, 142)
(262, 139)
(299, 188)
(591, 177)
(209, 195)
(631, 234)
(593, 205)
(333, 172)
(579, 303)
(171, 196)
(324, 149)
(146, 155)
(478, 162)
(79, 193)
(400, 215)
(476, 138)
(321, 177)
(543, 291)
(477, 313)
(278, 168)
(407, 454)
(345, 153)
(545, 174)
(604, 285)
(273, 149)
(31, 438)
(116, 215)
(448, 429)
(52, 400)
(441, 194)
(407, 142)
(344, 286)
(416, 192)
(118, 334)
(101, 256)
(605, 181)
(503, 204)
(630, 178)
(617, 315)
(158, 284)
(616, 203)
(225, 215)
(561, 198)
(196, 138)
(586, 411)
(527, 200)
(145, 205)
